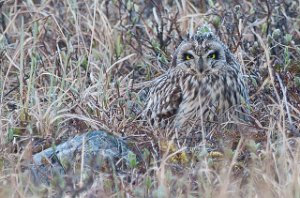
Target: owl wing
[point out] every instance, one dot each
(164, 99)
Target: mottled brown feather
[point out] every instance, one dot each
(206, 88)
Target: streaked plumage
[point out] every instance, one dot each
(204, 85)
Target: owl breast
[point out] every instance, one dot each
(183, 97)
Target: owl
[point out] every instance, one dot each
(204, 86)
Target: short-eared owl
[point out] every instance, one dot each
(204, 85)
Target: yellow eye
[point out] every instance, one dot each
(213, 55)
(187, 56)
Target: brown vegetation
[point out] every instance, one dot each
(68, 67)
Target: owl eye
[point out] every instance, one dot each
(187, 56)
(213, 55)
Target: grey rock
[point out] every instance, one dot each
(96, 149)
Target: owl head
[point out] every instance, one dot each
(203, 52)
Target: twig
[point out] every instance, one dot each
(292, 128)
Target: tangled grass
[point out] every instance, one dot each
(68, 67)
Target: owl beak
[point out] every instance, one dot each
(200, 64)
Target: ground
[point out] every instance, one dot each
(68, 67)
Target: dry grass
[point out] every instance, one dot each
(67, 67)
